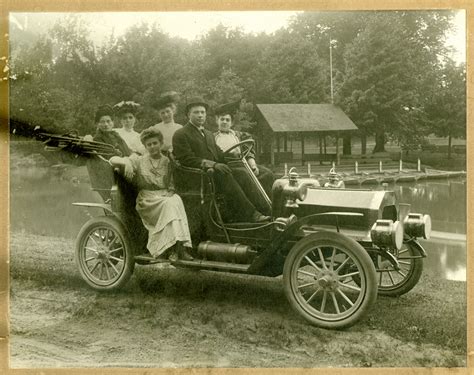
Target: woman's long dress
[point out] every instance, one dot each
(163, 216)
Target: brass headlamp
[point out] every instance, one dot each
(294, 190)
(417, 225)
(387, 233)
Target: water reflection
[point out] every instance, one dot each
(446, 259)
(444, 200)
(41, 203)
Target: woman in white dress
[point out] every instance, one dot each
(161, 210)
(126, 113)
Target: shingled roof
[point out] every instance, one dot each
(305, 118)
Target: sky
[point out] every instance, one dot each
(192, 25)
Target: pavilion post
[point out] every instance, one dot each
(320, 150)
(272, 151)
(302, 148)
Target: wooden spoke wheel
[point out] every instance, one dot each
(319, 281)
(394, 282)
(103, 254)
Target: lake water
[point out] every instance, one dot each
(41, 203)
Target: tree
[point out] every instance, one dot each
(446, 108)
(388, 68)
(55, 75)
(230, 48)
(290, 71)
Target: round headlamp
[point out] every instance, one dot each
(387, 233)
(417, 225)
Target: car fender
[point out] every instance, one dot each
(325, 218)
(416, 245)
(106, 207)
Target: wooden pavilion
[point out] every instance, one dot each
(304, 123)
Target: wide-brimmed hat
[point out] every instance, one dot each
(103, 110)
(196, 101)
(227, 109)
(126, 107)
(165, 100)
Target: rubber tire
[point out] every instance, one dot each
(129, 263)
(412, 278)
(357, 252)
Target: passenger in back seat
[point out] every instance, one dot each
(105, 131)
(126, 112)
(161, 210)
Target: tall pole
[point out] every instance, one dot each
(330, 69)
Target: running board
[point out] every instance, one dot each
(212, 265)
(144, 259)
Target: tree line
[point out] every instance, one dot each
(392, 74)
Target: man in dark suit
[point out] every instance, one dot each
(194, 146)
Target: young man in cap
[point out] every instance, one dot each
(166, 107)
(195, 147)
(226, 137)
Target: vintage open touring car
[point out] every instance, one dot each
(336, 248)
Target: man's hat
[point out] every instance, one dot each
(227, 109)
(166, 99)
(196, 101)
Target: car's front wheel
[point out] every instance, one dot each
(318, 277)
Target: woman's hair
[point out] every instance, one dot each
(103, 110)
(151, 133)
(232, 115)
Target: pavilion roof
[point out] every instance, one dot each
(305, 118)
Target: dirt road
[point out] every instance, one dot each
(167, 317)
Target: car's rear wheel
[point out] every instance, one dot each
(319, 280)
(103, 253)
(394, 282)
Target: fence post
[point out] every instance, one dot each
(356, 167)
(400, 167)
(309, 169)
(419, 165)
(286, 169)
(380, 166)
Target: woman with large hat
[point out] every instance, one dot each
(166, 107)
(126, 112)
(105, 130)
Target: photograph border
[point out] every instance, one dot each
(236, 5)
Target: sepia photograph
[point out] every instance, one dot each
(237, 189)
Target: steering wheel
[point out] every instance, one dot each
(247, 146)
